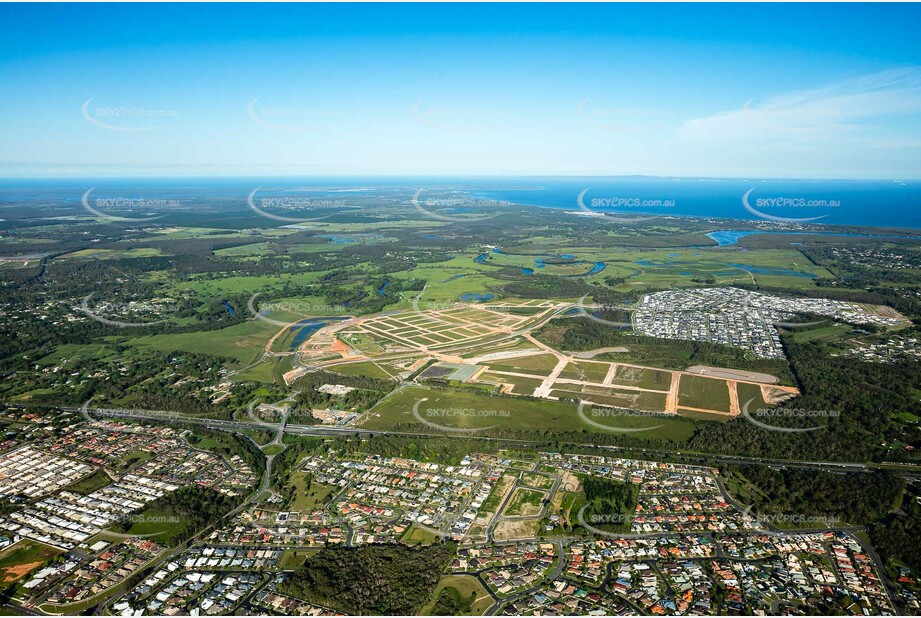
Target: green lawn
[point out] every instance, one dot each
(539, 364)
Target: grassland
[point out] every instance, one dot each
(464, 587)
(20, 559)
(418, 536)
(365, 368)
(304, 499)
(161, 527)
(703, 393)
(538, 364)
(89, 484)
(242, 342)
(524, 502)
(509, 412)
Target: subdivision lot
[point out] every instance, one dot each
(525, 502)
(20, 559)
(703, 393)
(512, 413)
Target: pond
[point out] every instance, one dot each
(306, 328)
(476, 297)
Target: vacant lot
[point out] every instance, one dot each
(483, 411)
(525, 502)
(22, 558)
(703, 393)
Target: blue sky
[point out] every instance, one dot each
(770, 91)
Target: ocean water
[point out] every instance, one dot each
(855, 203)
(838, 202)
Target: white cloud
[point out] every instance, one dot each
(845, 110)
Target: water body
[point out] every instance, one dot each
(481, 259)
(884, 203)
(453, 278)
(477, 297)
(306, 328)
(527, 271)
(339, 240)
(597, 268)
(380, 290)
(228, 307)
(879, 203)
(563, 256)
(726, 238)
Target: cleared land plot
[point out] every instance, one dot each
(588, 372)
(642, 377)
(703, 393)
(20, 559)
(752, 392)
(523, 414)
(525, 502)
(364, 368)
(520, 385)
(635, 400)
(539, 364)
(537, 481)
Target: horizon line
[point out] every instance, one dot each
(470, 176)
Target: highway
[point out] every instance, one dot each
(332, 432)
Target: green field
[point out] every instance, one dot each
(524, 502)
(161, 527)
(304, 499)
(539, 364)
(522, 414)
(89, 484)
(705, 393)
(366, 368)
(418, 536)
(642, 377)
(462, 588)
(70, 353)
(753, 392)
(821, 333)
(242, 342)
(20, 559)
(292, 559)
